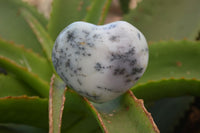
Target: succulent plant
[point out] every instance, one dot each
(34, 99)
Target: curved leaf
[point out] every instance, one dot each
(98, 11)
(155, 90)
(31, 111)
(175, 59)
(26, 58)
(40, 32)
(14, 27)
(77, 116)
(166, 19)
(172, 67)
(125, 114)
(65, 12)
(10, 86)
(25, 75)
(56, 104)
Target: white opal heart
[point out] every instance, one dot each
(100, 62)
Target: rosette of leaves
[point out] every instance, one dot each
(30, 90)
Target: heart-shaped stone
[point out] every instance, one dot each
(100, 62)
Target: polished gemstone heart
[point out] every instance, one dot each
(100, 62)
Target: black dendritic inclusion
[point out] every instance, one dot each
(57, 60)
(98, 67)
(95, 36)
(114, 38)
(124, 57)
(75, 43)
(79, 82)
(68, 64)
(136, 70)
(70, 36)
(56, 45)
(119, 71)
(139, 37)
(93, 97)
(107, 89)
(89, 42)
(76, 48)
(86, 33)
(128, 80)
(111, 26)
(137, 78)
(64, 77)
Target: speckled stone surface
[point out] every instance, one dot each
(100, 62)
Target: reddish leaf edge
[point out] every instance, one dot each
(98, 115)
(51, 106)
(21, 46)
(41, 36)
(21, 97)
(140, 102)
(104, 12)
(26, 76)
(143, 91)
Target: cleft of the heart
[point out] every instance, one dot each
(100, 62)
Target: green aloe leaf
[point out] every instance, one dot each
(77, 115)
(65, 12)
(10, 86)
(56, 104)
(126, 108)
(26, 58)
(33, 111)
(98, 11)
(25, 75)
(25, 110)
(15, 28)
(172, 59)
(151, 91)
(125, 114)
(40, 32)
(168, 19)
(171, 65)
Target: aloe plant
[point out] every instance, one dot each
(34, 99)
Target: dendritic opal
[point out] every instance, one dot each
(100, 62)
